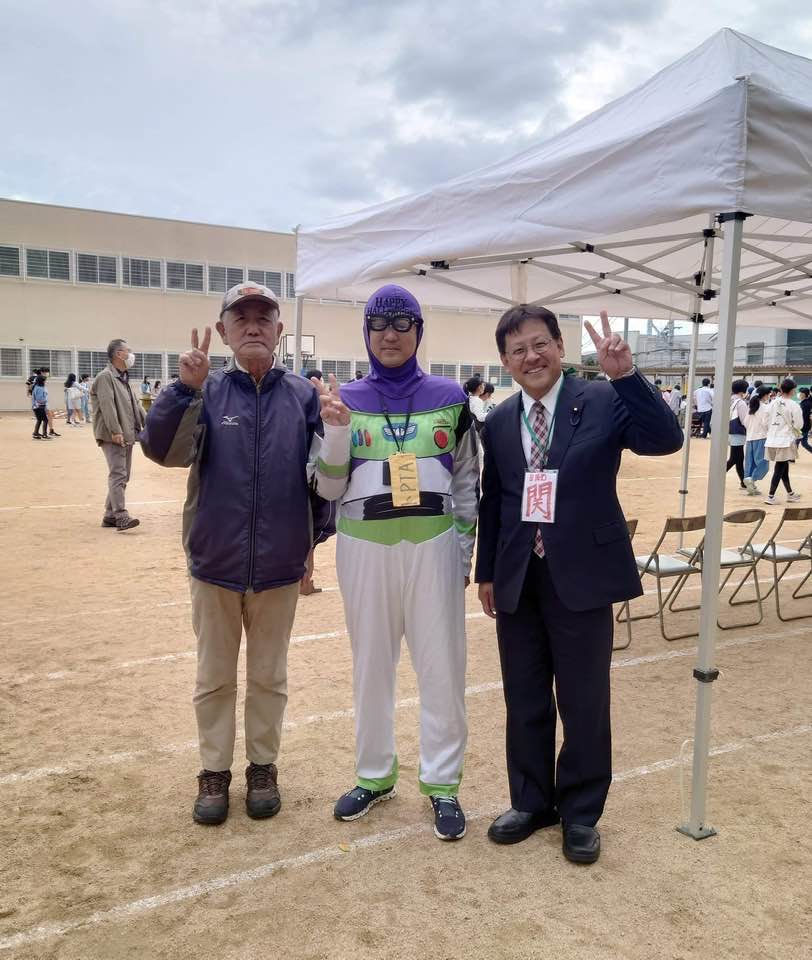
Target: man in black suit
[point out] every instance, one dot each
(551, 585)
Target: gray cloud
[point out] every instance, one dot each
(269, 113)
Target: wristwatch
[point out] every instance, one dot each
(628, 373)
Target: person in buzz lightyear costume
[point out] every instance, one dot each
(400, 453)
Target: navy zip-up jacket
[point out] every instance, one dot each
(249, 517)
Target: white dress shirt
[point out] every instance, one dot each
(548, 401)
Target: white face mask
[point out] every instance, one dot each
(129, 360)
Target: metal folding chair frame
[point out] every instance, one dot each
(631, 526)
(769, 552)
(672, 525)
(749, 558)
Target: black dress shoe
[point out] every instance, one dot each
(581, 844)
(516, 825)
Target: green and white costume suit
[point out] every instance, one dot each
(402, 571)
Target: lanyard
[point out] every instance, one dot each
(398, 443)
(534, 436)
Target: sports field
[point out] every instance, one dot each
(100, 857)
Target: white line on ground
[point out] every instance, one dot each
(83, 506)
(321, 855)
(75, 766)
(190, 654)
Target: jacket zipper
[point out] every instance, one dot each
(252, 533)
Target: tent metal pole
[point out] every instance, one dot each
(705, 285)
(297, 333)
(686, 443)
(705, 672)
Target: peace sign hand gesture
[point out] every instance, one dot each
(193, 366)
(614, 354)
(333, 411)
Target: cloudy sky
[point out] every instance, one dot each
(269, 113)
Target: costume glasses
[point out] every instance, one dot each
(400, 323)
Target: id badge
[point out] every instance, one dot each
(538, 497)
(405, 482)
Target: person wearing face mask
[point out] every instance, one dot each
(118, 418)
(400, 454)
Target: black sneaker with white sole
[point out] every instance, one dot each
(449, 820)
(358, 801)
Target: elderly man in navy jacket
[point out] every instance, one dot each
(553, 555)
(249, 432)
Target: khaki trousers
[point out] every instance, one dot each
(119, 463)
(218, 616)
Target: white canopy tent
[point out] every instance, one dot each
(688, 198)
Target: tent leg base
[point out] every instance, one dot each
(700, 833)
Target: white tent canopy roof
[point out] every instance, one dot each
(611, 211)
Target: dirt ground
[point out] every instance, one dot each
(100, 857)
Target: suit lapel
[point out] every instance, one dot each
(567, 417)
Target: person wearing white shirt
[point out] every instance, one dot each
(757, 420)
(786, 421)
(703, 401)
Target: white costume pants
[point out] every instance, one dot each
(416, 591)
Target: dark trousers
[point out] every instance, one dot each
(706, 422)
(540, 643)
(736, 459)
(42, 420)
(780, 475)
(804, 441)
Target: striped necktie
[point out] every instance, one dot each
(540, 428)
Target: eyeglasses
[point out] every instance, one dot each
(538, 346)
(400, 323)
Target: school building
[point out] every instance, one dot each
(71, 280)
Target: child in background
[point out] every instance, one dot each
(84, 386)
(39, 404)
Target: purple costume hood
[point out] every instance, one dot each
(397, 388)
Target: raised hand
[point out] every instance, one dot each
(193, 366)
(614, 354)
(333, 411)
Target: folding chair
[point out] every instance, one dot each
(631, 526)
(777, 554)
(734, 559)
(664, 566)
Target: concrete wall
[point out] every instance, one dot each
(54, 314)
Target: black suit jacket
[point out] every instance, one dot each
(590, 556)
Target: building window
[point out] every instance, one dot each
(136, 272)
(91, 268)
(290, 286)
(11, 362)
(362, 366)
(184, 276)
(90, 361)
(148, 365)
(499, 377)
(58, 361)
(172, 360)
(341, 369)
(9, 261)
(468, 370)
(755, 353)
(272, 279)
(47, 264)
(224, 278)
(448, 370)
(217, 361)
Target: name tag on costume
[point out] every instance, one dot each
(538, 497)
(405, 482)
